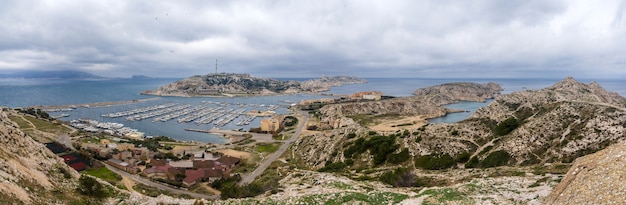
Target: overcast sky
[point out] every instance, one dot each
(499, 38)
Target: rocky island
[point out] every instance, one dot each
(233, 84)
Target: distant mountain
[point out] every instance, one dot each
(140, 77)
(64, 74)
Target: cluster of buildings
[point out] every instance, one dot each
(273, 124)
(124, 156)
(190, 172)
(358, 96)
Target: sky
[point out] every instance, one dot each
(282, 38)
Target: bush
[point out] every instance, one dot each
(435, 162)
(472, 163)
(506, 126)
(332, 167)
(379, 146)
(401, 177)
(463, 157)
(400, 157)
(91, 187)
(497, 158)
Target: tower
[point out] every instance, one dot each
(215, 66)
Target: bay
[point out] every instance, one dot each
(26, 92)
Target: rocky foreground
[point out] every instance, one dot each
(229, 84)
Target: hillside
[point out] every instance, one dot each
(29, 172)
(594, 179)
(245, 84)
(556, 124)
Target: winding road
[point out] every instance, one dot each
(247, 179)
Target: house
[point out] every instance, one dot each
(125, 146)
(158, 162)
(208, 164)
(157, 171)
(228, 161)
(193, 176)
(184, 164)
(273, 124)
(124, 166)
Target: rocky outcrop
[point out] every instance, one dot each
(29, 172)
(325, 83)
(462, 91)
(245, 84)
(594, 179)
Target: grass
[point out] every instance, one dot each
(46, 126)
(444, 196)
(103, 173)
(267, 148)
(21, 122)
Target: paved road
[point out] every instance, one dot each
(263, 166)
(158, 185)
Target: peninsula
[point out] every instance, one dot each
(234, 84)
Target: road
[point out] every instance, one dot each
(247, 179)
(147, 182)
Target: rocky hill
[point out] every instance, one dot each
(29, 172)
(245, 84)
(556, 124)
(462, 91)
(428, 103)
(594, 179)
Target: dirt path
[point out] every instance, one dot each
(129, 183)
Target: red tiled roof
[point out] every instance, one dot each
(199, 164)
(158, 162)
(228, 160)
(213, 173)
(67, 158)
(192, 175)
(79, 166)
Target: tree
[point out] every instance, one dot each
(91, 187)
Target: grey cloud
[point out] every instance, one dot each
(312, 38)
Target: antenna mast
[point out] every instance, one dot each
(216, 66)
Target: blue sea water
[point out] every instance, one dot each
(24, 92)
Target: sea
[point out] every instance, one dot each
(18, 93)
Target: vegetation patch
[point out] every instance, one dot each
(379, 146)
(506, 126)
(267, 147)
(445, 196)
(497, 158)
(104, 173)
(435, 161)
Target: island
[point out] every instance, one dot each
(234, 84)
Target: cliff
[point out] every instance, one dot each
(594, 179)
(245, 84)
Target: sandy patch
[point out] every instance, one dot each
(412, 122)
(235, 153)
(179, 149)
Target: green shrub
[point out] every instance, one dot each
(401, 177)
(379, 146)
(506, 126)
(91, 187)
(400, 157)
(497, 158)
(463, 157)
(332, 167)
(435, 161)
(472, 163)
